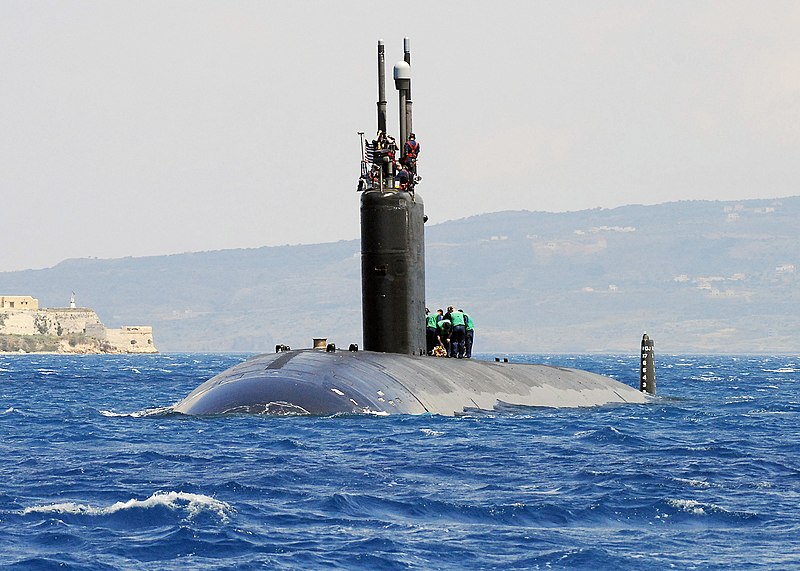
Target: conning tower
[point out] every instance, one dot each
(393, 244)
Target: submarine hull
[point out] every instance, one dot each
(364, 382)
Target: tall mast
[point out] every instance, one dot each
(407, 110)
(381, 88)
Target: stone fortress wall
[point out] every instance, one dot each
(17, 319)
(130, 338)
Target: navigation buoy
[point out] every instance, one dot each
(647, 378)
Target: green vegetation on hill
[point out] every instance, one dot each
(75, 343)
(28, 343)
(697, 276)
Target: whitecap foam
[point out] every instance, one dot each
(698, 508)
(541, 492)
(693, 483)
(371, 412)
(139, 413)
(193, 504)
(762, 411)
(690, 506)
(8, 411)
(365, 411)
(740, 399)
(431, 432)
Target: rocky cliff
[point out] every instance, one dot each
(69, 330)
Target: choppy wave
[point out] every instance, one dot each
(157, 411)
(693, 507)
(693, 482)
(191, 504)
(431, 432)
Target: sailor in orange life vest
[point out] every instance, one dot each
(410, 153)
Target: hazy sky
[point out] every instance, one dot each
(154, 127)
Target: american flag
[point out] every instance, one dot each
(369, 152)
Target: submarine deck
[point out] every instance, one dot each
(310, 381)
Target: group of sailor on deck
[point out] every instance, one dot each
(449, 334)
(380, 157)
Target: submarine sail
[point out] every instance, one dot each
(393, 375)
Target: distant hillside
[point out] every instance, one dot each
(697, 276)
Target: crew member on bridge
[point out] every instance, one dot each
(384, 152)
(406, 180)
(410, 153)
(391, 149)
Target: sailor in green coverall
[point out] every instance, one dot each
(443, 329)
(430, 330)
(470, 335)
(459, 332)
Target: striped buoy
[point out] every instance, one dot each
(647, 378)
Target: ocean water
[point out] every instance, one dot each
(96, 473)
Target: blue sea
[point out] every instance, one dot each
(96, 473)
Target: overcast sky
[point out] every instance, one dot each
(154, 127)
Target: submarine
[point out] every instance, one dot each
(392, 373)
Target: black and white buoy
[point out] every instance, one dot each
(647, 378)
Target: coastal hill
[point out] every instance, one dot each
(698, 276)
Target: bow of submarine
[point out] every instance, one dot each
(302, 382)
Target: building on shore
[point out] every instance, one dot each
(70, 329)
(18, 302)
